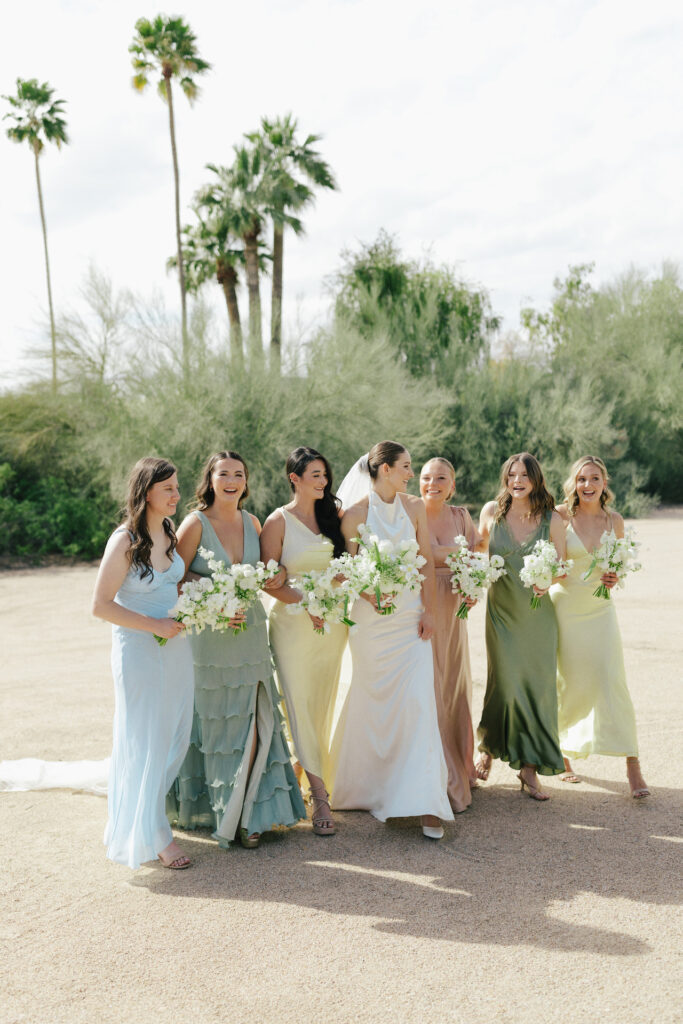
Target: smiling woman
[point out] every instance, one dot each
(236, 778)
(136, 586)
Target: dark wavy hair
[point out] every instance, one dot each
(540, 499)
(327, 508)
(383, 451)
(143, 476)
(204, 495)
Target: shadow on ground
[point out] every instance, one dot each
(510, 871)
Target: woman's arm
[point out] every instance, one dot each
(485, 524)
(425, 627)
(189, 536)
(112, 572)
(272, 539)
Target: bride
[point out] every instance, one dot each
(387, 750)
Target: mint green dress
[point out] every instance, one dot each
(234, 688)
(519, 719)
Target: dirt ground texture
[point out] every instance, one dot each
(525, 913)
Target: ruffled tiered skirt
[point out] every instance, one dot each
(234, 695)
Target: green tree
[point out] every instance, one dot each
(426, 310)
(38, 118)
(211, 252)
(289, 159)
(168, 46)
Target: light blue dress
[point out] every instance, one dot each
(154, 691)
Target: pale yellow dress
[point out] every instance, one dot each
(595, 712)
(307, 664)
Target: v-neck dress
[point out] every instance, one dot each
(152, 719)
(519, 718)
(453, 675)
(595, 711)
(234, 691)
(308, 664)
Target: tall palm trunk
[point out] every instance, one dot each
(227, 278)
(181, 266)
(276, 300)
(251, 260)
(53, 333)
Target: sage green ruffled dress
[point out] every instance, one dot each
(519, 719)
(234, 688)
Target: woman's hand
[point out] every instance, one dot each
(540, 591)
(237, 620)
(609, 579)
(425, 627)
(277, 581)
(386, 600)
(167, 628)
(469, 601)
(318, 623)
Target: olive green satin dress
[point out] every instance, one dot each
(519, 718)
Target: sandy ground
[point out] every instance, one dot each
(526, 912)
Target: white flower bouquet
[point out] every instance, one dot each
(325, 595)
(472, 573)
(211, 602)
(540, 566)
(386, 568)
(614, 554)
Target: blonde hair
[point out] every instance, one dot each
(569, 486)
(445, 462)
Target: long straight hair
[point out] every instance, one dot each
(326, 509)
(540, 499)
(143, 476)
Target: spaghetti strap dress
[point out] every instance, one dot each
(595, 711)
(153, 692)
(453, 675)
(307, 664)
(234, 692)
(519, 718)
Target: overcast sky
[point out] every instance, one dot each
(512, 138)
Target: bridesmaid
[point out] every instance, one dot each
(305, 535)
(594, 706)
(519, 718)
(387, 749)
(135, 589)
(237, 776)
(452, 673)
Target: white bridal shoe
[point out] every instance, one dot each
(432, 833)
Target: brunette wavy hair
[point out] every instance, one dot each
(569, 486)
(540, 499)
(204, 496)
(143, 476)
(326, 509)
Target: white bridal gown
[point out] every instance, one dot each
(387, 756)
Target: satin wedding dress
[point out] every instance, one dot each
(386, 754)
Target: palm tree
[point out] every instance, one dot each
(38, 117)
(168, 46)
(211, 252)
(287, 157)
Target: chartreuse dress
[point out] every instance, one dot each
(234, 689)
(519, 719)
(308, 664)
(595, 712)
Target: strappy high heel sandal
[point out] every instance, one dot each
(323, 824)
(535, 792)
(638, 786)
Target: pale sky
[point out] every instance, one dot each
(512, 138)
